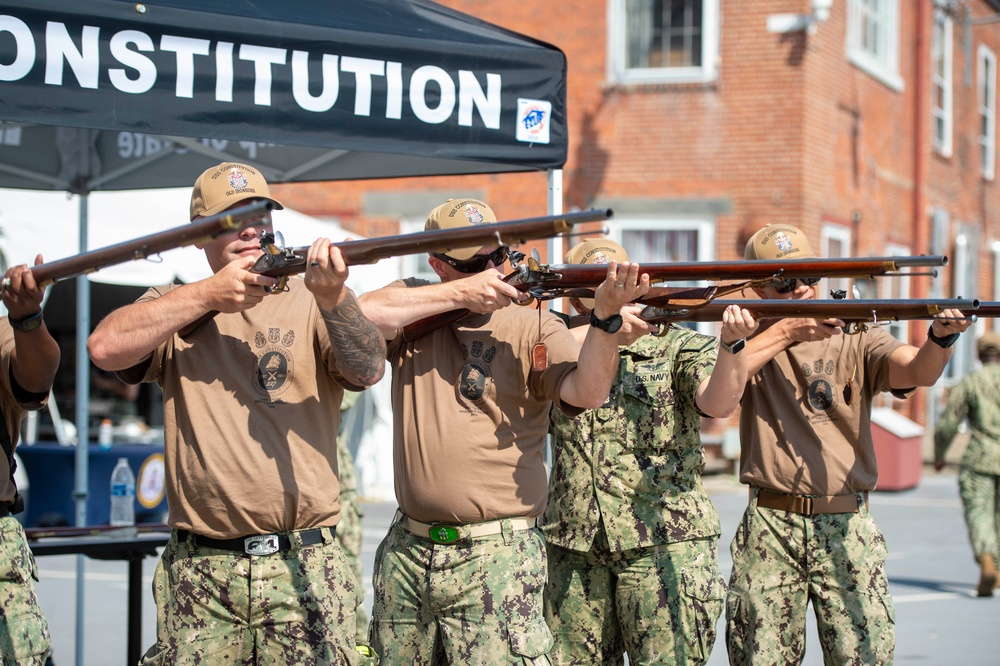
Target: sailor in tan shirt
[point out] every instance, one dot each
(459, 577)
(252, 572)
(29, 358)
(808, 457)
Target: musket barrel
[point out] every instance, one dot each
(577, 275)
(370, 250)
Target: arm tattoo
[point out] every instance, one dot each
(357, 343)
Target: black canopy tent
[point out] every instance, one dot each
(116, 94)
(113, 94)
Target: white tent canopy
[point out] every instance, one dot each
(33, 222)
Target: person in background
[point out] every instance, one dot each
(808, 458)
(252, 573)
(459, 577)
(29, 358)
(632, 535)
(976, 399)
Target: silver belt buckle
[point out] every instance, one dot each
(264, 544)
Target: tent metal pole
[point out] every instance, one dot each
(82, 419)
(555, 206)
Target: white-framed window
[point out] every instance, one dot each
(963, 283)
(941, 82)
(663, 240)
(835, 241)
(873, 39)
(663, 41)
(897, 288)
(987, 85)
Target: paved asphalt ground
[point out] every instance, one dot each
(932, 576)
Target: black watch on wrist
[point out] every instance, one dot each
(609, 325)
(26, 324)
(734, 347)
(945, 342)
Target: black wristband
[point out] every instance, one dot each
(29, 323)
(945, 342)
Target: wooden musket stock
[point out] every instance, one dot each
(153, 244)
(853, 312)
(546, 282)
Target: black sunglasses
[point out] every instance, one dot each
(787, 285)
(476, 264)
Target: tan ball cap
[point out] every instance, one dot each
(989, 343)
(595, 251)
(227, 184)
(779, 241)
(458, 213)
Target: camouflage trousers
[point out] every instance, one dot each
(474, 601)
(219, 607)
(659, 604)
(782, 561)
(350, 538)
(24, 633)
(980, 495)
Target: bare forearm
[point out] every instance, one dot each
(719, 394)
(911, 366)
(392, 308)
(588, 386)
(358, 344)
(35, 359)
(128, 335)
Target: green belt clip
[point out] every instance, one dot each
(443, 534)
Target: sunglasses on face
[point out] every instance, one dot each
(787, 285)
(478, 263)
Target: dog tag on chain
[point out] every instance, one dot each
(539, 357)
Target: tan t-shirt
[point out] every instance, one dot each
(471, 416)
(798, 433)
(13, 411)
(251, 408)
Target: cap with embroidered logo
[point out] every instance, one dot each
(458, 213)
(779, 241)
(595, 251)
(225, 185)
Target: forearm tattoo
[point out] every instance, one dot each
(357, 343)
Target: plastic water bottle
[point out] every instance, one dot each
(122, 495)
(105, 434)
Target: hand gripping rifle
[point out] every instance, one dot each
(282, 262)
(196, 232)
(546, 282)
(857, 314)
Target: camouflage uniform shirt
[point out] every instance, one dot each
(635, 463)
(976, 398)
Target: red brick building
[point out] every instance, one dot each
(871, 124)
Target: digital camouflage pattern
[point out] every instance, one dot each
(633, 466)
(659, 604)
(782, 562)
(976, 399)
(220, 607)
(24, 633)
(474, 601)
(632, 533)
(980, 495)
(349, 528)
